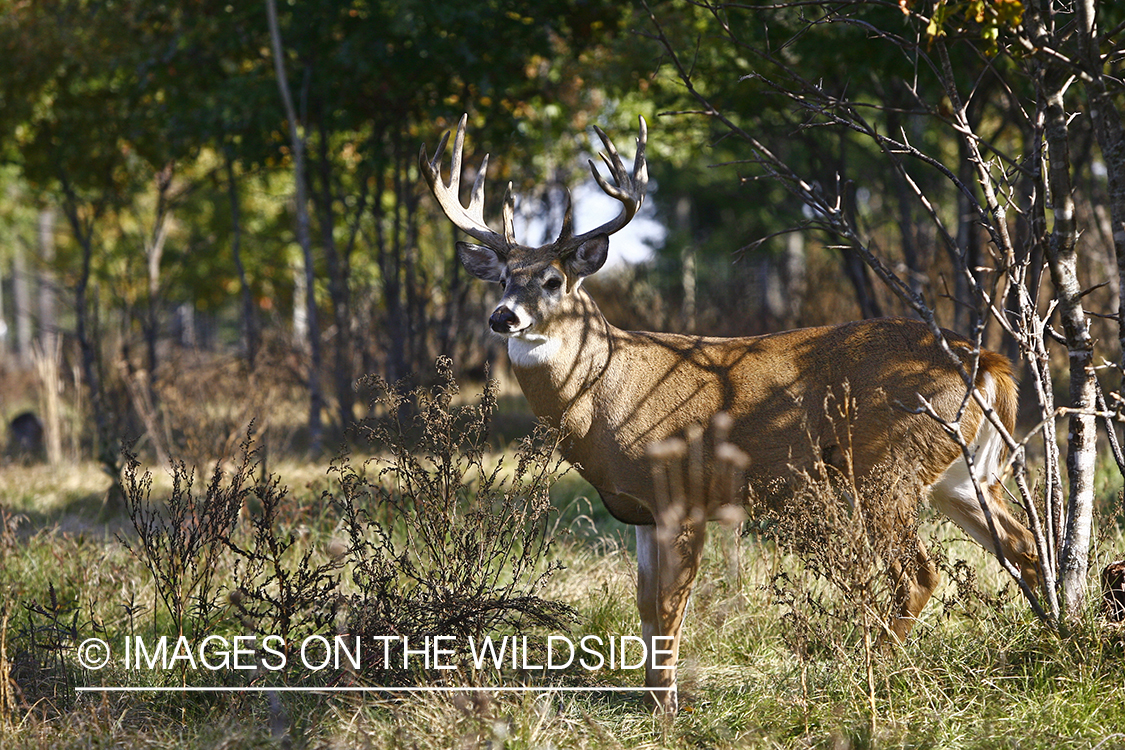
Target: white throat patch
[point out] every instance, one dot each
(532, 349)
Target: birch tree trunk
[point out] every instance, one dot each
(48, 327)
(21, 301)
(1052, 81)
(297, 141)
(1110, 135)
(1062, 261)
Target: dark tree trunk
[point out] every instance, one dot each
(338, 287)
(105, 446)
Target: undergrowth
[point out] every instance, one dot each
(442, 540)
(432, 534)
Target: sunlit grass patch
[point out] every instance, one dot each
(978, 671)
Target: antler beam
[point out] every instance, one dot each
(469, 220)
(629, 189)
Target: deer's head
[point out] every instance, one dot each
(540, 283)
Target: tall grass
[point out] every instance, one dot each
(774, 652)
(977, 672)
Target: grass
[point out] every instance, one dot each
(978, 671)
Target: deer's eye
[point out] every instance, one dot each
(552, 283)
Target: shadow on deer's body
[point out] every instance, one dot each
(615, 393)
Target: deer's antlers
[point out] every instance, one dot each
(469, 220)
(627, 188)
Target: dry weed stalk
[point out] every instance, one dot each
(441, 542)
(678, 474)
(7, 694)
(7, 683)
(281, 582)
(47, 357)
(182, 542)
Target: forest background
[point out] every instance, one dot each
(211, 215)
(150, 209)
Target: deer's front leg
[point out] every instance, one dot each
(667, 561)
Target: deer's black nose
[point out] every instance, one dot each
(502, 320)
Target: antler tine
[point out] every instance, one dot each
(629, 189)
(476, 200)
(510, 215)
(567, 231)
(469, 220)
(455, 160)
(431, 169)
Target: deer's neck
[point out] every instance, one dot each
(559, 366)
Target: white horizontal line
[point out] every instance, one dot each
(374, 689)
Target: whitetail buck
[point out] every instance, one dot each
(615, 393)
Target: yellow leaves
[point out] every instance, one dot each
(535, 66)
(980, 19)
(994, 14)
(1009, 12)
(935, 29)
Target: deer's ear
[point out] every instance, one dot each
(589, 257)
(482, 262)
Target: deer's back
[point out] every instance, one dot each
(839, 394)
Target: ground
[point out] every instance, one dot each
(772, 656)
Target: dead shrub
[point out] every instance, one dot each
(849, 539)
(199, 408)
(440, 541)
(182, 540)
(284, 582)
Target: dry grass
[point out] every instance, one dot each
(978, 671)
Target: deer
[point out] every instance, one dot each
(615, 393)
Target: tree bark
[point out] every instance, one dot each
(390, 264)
(154, 254)
(1062, 262)
(297, 142)
(1110, 135)
(338, 288)
(968, 241)
(46, 279)
(21, 301)
(105, 441)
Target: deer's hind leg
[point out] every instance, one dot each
(914, 581)
(892, 493)
(955, 495)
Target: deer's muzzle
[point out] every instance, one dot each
(503, 320)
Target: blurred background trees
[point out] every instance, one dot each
(149, 172)
(149, 215)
